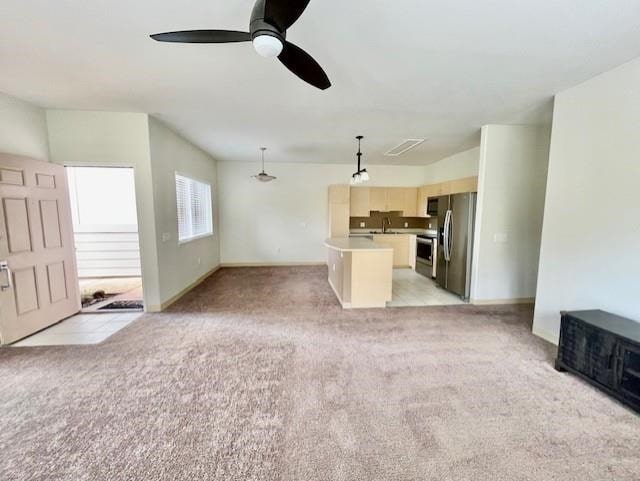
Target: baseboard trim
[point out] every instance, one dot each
(489, 302)
(546, 335)
(179, 295)
(272, 264)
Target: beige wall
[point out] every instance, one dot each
(23, 128)
(594, 173)
(457, 166)
(285, 221)
(84, 138)
(511, 190)
(180, 264)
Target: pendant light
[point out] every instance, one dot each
(361, 175)
(263, 176)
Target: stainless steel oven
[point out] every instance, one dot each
(426, 255)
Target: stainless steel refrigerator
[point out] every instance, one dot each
(456, 216)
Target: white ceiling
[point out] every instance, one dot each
(400, 69)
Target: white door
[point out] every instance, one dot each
(38, 280)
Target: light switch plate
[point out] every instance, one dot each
(500, 238)
(166, 237)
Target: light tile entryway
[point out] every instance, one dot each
(80, 329)
(413, 289)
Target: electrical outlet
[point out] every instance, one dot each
(430, 226)
(363, 224)
(199, 261)
(406, 224)
(166, 237)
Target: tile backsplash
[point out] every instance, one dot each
(397, 222)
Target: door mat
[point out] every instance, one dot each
(122, 305)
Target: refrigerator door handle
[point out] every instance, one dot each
(450, 235)
(444, 236)
(447, 236)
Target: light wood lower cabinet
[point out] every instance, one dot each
(404, 248)
(361, 278)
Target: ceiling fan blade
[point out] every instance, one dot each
(304, 66)
(203, 36)
(284, 13)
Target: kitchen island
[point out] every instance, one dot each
(360, 271)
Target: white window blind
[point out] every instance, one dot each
(194, 208)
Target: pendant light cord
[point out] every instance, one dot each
(359, 154)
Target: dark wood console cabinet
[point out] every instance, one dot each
(603, 349)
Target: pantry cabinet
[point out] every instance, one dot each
(338, 211)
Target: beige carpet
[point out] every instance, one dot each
(259, 375)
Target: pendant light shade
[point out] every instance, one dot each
(263, 176)
(361, 175)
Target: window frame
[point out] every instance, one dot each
(192, 238)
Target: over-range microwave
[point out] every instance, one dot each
(432, 207)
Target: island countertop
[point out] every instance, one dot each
(350, 244)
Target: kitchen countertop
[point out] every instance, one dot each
(354, 244)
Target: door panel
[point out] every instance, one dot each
(26, 288)
(10, 176)
(36, 241)
(46, 181)
(50, 223)
(57, 282)
(16, 214)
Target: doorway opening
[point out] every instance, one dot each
(105, 229)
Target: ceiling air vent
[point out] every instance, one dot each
(404, 147)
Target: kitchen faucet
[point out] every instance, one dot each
(385, 220)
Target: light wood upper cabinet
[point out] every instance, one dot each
(339, 194)
(395, 198)
(458, 186)
(410, 206)
(468, 184)
(360, 201)
(383, 199)
(378, 199)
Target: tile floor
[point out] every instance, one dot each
(80, 329)
(413, 289)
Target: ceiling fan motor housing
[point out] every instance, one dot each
(261, 26)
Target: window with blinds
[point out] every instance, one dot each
(194, 208)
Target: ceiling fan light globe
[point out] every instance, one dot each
(267, 45)
(364, 175)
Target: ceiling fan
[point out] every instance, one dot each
(270, 20)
